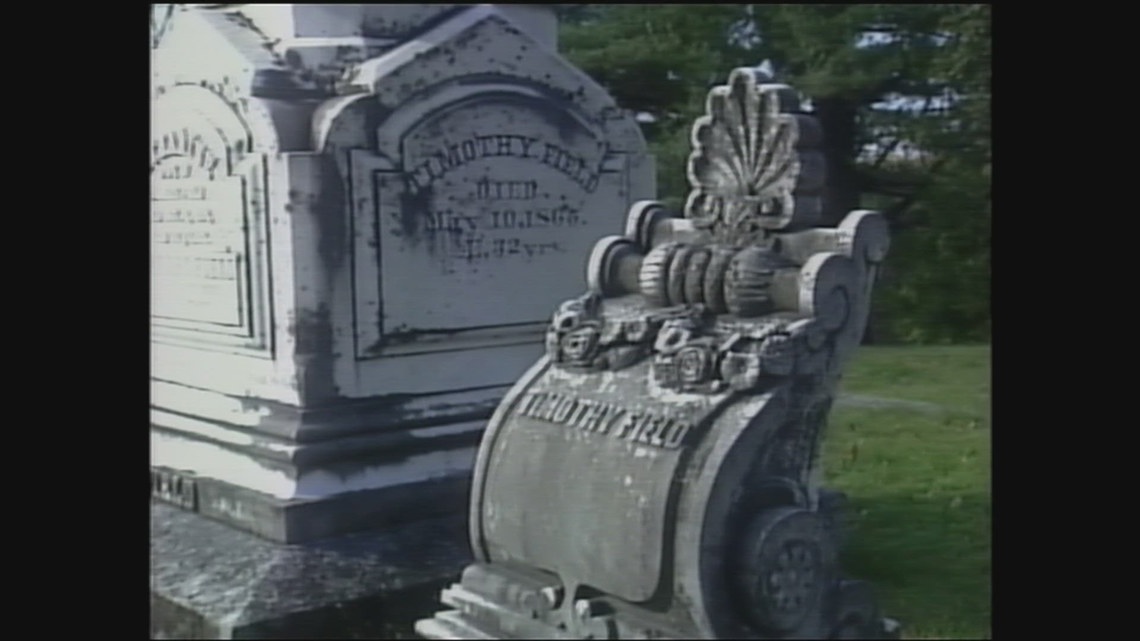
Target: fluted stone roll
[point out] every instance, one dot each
(654, 274)
(678, 270)
(695, 275)
(747, 282)
(713, 282)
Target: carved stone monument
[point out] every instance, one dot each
(654, 475)
(361, 216)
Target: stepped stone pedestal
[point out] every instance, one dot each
(361, 215)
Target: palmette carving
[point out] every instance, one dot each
(753, 167)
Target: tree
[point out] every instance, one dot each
(878, 77)
(940, 289)
(657, 60)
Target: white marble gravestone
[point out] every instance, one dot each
(361, 218)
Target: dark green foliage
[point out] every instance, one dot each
(661, 60)
(938, 287)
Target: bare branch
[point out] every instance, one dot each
(886, 152)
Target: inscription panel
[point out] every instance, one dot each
(198, 245)
(600, 417)
(606, 454)
(205, 190)
(499, 201)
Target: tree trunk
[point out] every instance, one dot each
(837, 116)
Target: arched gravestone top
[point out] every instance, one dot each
(486, 163)
(459, 52)
(654, 476)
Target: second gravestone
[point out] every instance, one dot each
(655, 475)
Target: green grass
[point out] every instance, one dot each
(919, 484)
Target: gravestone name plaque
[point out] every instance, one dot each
(482, 208)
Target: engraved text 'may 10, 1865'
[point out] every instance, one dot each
(197, 231)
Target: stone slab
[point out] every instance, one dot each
(299, 521)
(209, 581)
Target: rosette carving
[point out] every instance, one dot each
(580, 336)
(706, 357)
(574, 336)
(684, 361)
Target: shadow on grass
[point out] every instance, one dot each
(928, 557)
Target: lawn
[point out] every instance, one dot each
(919, 482)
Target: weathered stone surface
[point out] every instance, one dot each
(483, 185)
(209, 581)
(361, 216)
(654, 475)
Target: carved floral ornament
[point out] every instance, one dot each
(691, 351)
(744, 290)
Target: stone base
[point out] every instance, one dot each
(298, 521)
(512, 601)
(210, 581)
(504, 601)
